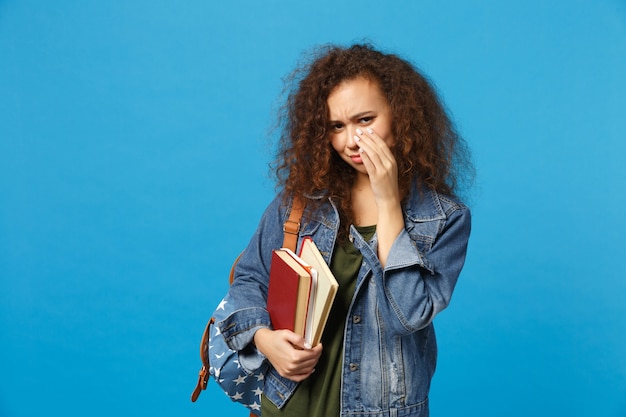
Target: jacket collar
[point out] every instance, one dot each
(423, 204)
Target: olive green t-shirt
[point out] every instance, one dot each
(319, 395)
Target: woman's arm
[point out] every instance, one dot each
(248, 328)
(248, 293)
(416, 286)
(382, 173)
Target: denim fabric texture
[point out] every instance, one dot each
(390, 350)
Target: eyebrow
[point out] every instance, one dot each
(356, 116)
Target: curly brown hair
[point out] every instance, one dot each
(426, 146)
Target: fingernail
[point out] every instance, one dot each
(307, 345)
(359, 131)
(369, 130)
(356, 138)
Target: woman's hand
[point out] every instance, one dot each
(287, 353)
(382, 171)
(381, 166)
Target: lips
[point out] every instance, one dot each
(356, 158)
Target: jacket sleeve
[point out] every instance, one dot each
(418, 284)
(248, 292)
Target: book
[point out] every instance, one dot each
(325, 290)
(303, 303)
(289, 291)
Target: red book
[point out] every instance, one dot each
(289, 290)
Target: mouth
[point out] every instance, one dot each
(356, 158)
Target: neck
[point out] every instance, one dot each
(361, 182)
(364, 206)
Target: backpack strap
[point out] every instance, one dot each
(203, 375)
(291, 227)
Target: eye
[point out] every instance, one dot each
(366, 120)
(336, 127)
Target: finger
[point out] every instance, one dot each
(368, 151)
(307, 359)
(298, 354)
(317, 349)
(298, 341)
(371, 139)
(297, 378)
(295, 374)
(300, 369)
(374, 160)
(376, 153)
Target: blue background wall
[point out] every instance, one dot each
(133, 169)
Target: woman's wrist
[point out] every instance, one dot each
(259, 337)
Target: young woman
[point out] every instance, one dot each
(368, 147)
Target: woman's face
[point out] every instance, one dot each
(357, 104)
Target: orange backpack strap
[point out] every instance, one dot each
(291, 228)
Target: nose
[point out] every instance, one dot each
(350, 142)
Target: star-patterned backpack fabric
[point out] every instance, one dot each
(241, 386)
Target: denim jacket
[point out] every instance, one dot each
(390, 350)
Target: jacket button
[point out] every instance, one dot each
(354, 367)
(356, 319)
